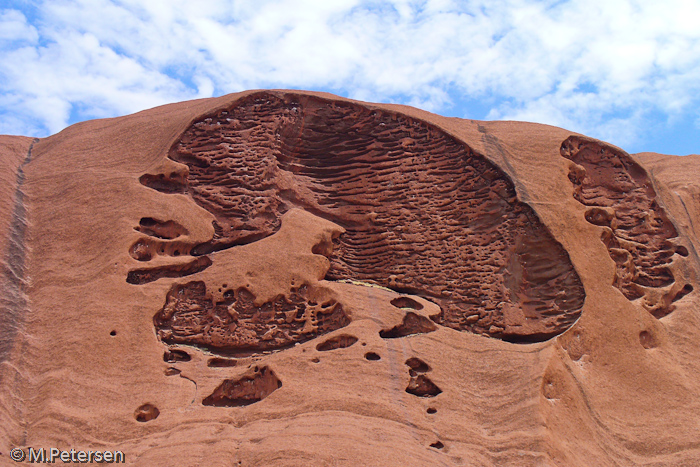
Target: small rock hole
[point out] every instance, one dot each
(412, 324)
(437, 445)
(172, 356)
(681, 250)
(338, 342)
(548, 389)
(371, 356)
(113, 333)
(221, 362)
(148, 222)
(417, 365)
(140, 251)
(687, 288)
(647, 340)
(146, 412)
(432, 410)
(249, 388)
(422, 386)
(406, 302)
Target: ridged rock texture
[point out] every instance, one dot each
(284, 278)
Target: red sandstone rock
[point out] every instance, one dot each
(290, 278)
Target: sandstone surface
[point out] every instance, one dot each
(285, 278)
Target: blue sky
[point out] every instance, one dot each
(625, 71)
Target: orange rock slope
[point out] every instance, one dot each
(283, 278)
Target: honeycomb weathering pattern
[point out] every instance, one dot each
(623, 200)
(424, 214)
(237, 327)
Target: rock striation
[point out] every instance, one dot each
(292, 278)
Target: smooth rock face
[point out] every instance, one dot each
(284, 278)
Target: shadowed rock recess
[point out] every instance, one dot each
(236, 327)
(622, 199)
(424, 214)
(252, 387)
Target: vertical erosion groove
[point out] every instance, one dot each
(423, 213)
(13, 299)
(621, 198)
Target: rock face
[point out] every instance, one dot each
(289, 278)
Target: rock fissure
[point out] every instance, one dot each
(14, 304)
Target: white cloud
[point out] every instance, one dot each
(594, 66)
(14, 27)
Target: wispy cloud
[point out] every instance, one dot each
(601, 67)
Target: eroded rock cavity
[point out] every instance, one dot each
(424, 214)
(237, 326)
(412, 324)
(252, 387)
(420, 385)
(622, 199)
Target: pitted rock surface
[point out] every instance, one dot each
(622, 199)
(287, 278)
(423, 212)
